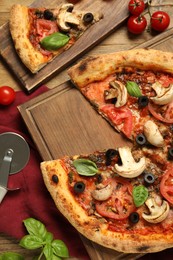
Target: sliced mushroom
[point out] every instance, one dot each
(118, 91)
(129, 168)
(152, 133)
(66, 17)
(163, 95)
(157, 212)
(102, 194)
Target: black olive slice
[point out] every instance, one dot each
(55, 178)
(88, 18)
(110, 153)
(170, 153)
(141, 139)
(143, 101)
(149, 178)
(79, 187)
(134, 217)
(48, 15)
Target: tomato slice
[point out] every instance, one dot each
(168, 116)
(120, 204)
(121, 117)
(166, 185)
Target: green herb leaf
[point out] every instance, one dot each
(140, 194)
(59, 248)
(54, 41)
(11, 256)
(48, 251)
(85, 167)
(133, 89)
(35, 227)
(49, 237)
(31, 242)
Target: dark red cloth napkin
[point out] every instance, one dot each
(33, 199)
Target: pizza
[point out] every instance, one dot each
(122, 198)
(40, 34)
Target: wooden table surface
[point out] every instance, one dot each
(117, 41)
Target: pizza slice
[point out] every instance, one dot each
(133, 90)
(40, 34)
(119, 198)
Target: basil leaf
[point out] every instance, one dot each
(11, 256)
(133, 89)
(140, 194)
(31, 242)
(48, 251)
(49, 237)
(35, 227)
(54, 41)
(59, 248)
(85, 167)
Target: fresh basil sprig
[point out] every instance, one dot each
(54, 41)
(39, 237)
(133, 89)
(140, 194)
(85, 167)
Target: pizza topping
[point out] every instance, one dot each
(48, 15)
(129, 168)
(66, 17)
(141, 139)
(79, 187)
(85, 167)
(140, 194)
(117, 91)
(134, 217)
(143, 101)
(170, 153)
(149, 178)
(166, 185)
(166, 116)
(164, 95)
(88, 18)
(55, 178)
(54, 41)
(103, 193)
(133, 89)
(157, 212)
(110, 154)
(153, 135)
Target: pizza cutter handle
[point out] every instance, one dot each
(3, 192)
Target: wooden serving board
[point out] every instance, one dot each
(114, 11)
(62, 121)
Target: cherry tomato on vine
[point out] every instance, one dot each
(136, 24)
(160, 21)
(7, 95)
(136, 7)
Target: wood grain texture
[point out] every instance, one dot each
(114, 11)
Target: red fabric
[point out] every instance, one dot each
(33, 199)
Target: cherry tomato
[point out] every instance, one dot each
(120, 116)
(136, 7)
(166, 185)
(120, 205)
(160, 21)
(136, 24)
(7, 95)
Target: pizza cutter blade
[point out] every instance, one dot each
(14, 155)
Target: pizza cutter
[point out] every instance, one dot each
(14, 155)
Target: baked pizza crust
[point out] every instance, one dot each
(98, 67)
(91, 227)
(19, 28)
